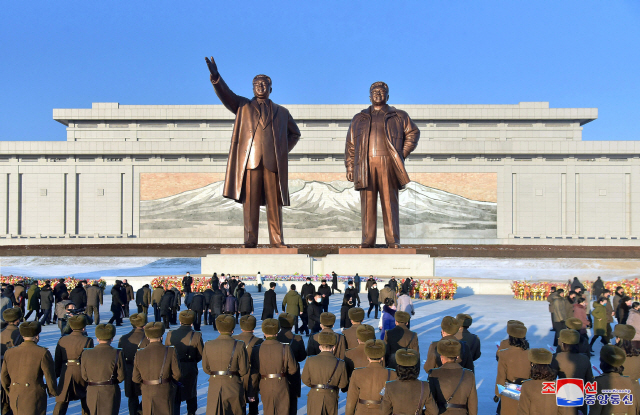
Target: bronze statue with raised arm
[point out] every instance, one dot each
(258, 167)
(379, 140)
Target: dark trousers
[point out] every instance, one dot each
(117, 317)
(126, 309)
(205, 315)
(325, 307)
(156, 313)
(94, 311)
(253, 407)
(373, 307)
(174, 317)
(61, 407)
(603, 339)
(335, 288)
(165, 319)
(192, 404)
(213, 318)
(261, 182)
(304, 328)
(31, 312)
(295, 324)
(382, 181)
(558, 327)
(46, 316)
(259, 288)
(197, 321)
(134, 405)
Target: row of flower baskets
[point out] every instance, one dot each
(540, 290)
(70, 282)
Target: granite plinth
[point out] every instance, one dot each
(251, 263)
(400, 265)
(258, 251)
(377, 251)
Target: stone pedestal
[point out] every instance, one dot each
(258, 251)
(376, 251)
(267, 263)
(380, 264)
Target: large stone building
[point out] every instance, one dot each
(482, 174)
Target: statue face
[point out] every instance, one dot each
(261, 88)
(378, 96)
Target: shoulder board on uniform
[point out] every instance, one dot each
(502, 350)
(358, 368)
(353, 348)
(468, 370)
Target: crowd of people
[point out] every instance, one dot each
(379, 376)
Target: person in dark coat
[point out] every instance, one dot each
(393, 284)
(374, 300)
(208, 293)
(233, 284)
(622, 312)
(576, 283)
(353, 293)
(307, 289)
(215, 306)
(46, 304)
(58, 289)
(270, 306)
(215, 282)
(166, 307)
(130, 343)
(198, 307)
(187, 280)
(597, 288)
(406, 285)
(334, 283)
(231, 306)
(79, 296)
(143, 299)
(347, 304)
(177, 301)
(245, 304)
(94, 301)
(314, 310)
(117, 303)
(356, 282)
(325, 293)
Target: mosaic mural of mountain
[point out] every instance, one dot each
(319, 209)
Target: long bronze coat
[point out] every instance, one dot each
(504, 344)
(514, 367)
(130, 343)
(9, 337)
(367, 383)
(317, 371)
(632, 367)
(403, 397)
(250, 341)
(399, 337)
(147, 366)
(313, 347)
(285, 133)
(444, 381)
(616, 381)
(71, 386)
(533, 402)
(272, 358)
(355, 358)
(21, 377)
(299, 353)
(402, 139)
(226, 393)
(99, 365)
(351, 336)
(188, 345)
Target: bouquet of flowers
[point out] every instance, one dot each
(536, 291)
(435, 289)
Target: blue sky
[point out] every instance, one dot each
(71, 53)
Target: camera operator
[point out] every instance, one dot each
(71, 310)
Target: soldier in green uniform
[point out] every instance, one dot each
(611, 360)
(327, 320)
(9, 337)
(271, 363)
(449, 328)
(325, 374)
(130, 343)
(71, 386)
(188, 344)
(532, 401)
(299, 353)
(356, 315)
(356, 357)
(452, 386)
(466, 336)
(400, 337)
(247, 326)
(103, 369)
(407, 394)
(513, 366)
(504, 344)
(23, 368)
(156, 368)
(367, 383)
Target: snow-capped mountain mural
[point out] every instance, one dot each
(327, 207)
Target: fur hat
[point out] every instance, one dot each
(105, 331)
(540, 356)
(270, 327)
(365, 332)
(327, 339)
(186, 317)
(450, 325)
(402, 317)
(449, 348)
(624, 332)
(248, 323)
(465, 320)
(225, 323)
(30, 329)
(407, 357)
(356, 314)
(154, 330)
(613, 355)
(509, 322)
(519, 331)
(375, 349)
(12, 314)
(138, 319)
(568, 336)
(327, 319)
(77, 322)
(286, 320)
(573, 323)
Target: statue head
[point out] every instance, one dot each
(379, 93)
(261, 86)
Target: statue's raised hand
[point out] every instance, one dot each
(213, 68)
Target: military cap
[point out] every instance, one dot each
(449, 325)
(407, 357)
(449, 348)
(365, 332)
(327, 339)
(568, 336)
(105, 331)
(356, 314)
(613, 355)
(465, 320)
(77, 322)
(30, 329)
(519, 331)
(187, 317)
(12, 314)
(540, 356)
(375, 349)
(286, 320)
(327, 319)
(402, 317)
(154, 330)
(225, 323)
(270, 327)
(624, 332)
(248, 323)
(573, 323)
(138, 319)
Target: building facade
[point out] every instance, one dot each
(481, 174)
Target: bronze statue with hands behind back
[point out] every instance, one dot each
(258, 167)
